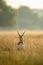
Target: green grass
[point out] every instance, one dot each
(7, 58)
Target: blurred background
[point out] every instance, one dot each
(21, 14)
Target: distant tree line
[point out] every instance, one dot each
(29, 18)
(26, 17)
(7, 15)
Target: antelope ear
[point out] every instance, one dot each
(23, 33)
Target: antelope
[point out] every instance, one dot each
(20, 44)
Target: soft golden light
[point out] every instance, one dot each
(30, 3)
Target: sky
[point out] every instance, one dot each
(33, 4)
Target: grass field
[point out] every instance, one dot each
(31, 55)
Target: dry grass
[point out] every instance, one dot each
(31, 55)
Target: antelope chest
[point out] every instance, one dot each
(20, 46)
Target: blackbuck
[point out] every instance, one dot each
(20, 44)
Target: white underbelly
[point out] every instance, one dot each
(20, 46)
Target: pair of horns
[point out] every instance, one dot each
(19, 33)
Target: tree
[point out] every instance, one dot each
(7, 15)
